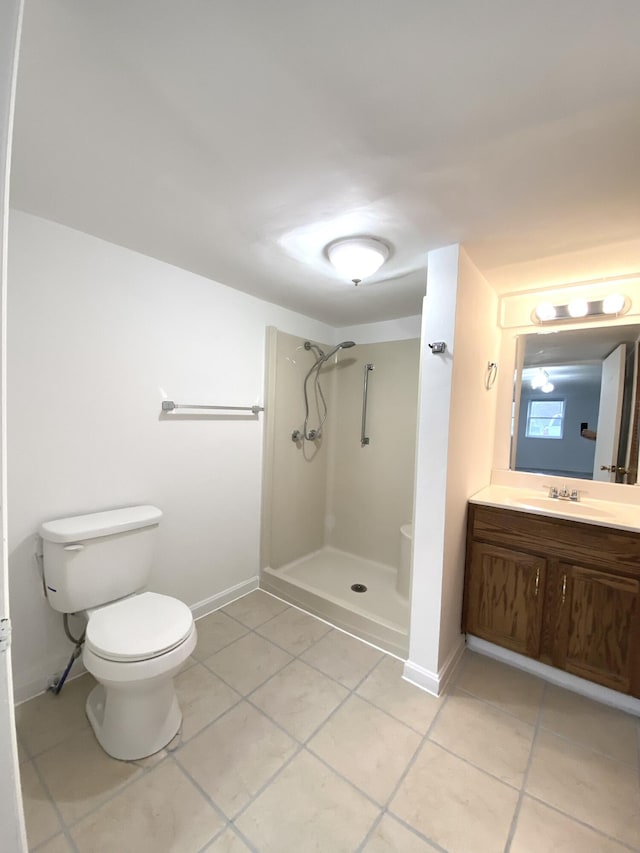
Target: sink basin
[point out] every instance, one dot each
(562, 506)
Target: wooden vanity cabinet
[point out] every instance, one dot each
(505, 588)
(562, 592)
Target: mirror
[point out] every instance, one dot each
(576, 405)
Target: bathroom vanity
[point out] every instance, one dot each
(559, 584)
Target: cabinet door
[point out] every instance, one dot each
(599, 637)
(504, 597)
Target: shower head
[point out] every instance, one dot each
(343, 345)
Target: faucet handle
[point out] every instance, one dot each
(575, 495)
(553, 491)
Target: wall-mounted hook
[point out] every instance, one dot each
(438, 347)
(492, 372)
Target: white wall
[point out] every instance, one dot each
(98, 336)
(11, 815)
(406, 328)
(455, 442)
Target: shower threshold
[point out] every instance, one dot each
(321, 583)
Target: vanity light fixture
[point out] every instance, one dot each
(545, 312)
(578, 308)
(614, 304)
(357, 258)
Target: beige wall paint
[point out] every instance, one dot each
(371, 491)
(296, 475)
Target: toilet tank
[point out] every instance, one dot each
(92, 559)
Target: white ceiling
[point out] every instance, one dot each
(236, 138)
(574, 346)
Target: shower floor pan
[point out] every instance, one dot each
(321, 584)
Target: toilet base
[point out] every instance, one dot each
(130, 725)
(133, 710)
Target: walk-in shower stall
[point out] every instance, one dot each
(338, 481)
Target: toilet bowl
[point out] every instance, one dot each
(136, 641)
(403, 578)
(134, 648)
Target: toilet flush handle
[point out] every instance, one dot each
(73, 547)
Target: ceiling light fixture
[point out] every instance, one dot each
(615, 303)
(539, 378)
(357, 258)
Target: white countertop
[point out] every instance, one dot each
(623, 516)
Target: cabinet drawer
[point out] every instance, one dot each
(570, 541)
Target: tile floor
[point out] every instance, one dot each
(297, 737)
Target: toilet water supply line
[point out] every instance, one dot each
(57, 684)
(56, 687)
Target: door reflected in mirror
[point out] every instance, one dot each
(576, 404)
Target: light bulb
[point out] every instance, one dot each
(547, 388)
(358, 258)
(613, 304)
(540, 377)
(578, 308)
(545, 312)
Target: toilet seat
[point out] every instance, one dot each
(138, 628)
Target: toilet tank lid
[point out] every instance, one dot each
(97, 524)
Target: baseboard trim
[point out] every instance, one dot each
(221, 599)
(434, 682)
(556, 676)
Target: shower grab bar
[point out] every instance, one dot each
(169, 406)
(364, 439)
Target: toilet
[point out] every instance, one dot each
(136, 641)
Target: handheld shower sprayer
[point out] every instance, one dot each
(321, 359)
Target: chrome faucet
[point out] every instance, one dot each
(563, 494)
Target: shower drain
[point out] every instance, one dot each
(358, 587)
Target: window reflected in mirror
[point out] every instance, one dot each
(576, 404)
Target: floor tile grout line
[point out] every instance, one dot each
(581, 822)
(403, 776)
(287, 663)
(303, 746)
(234, 831)
(582, 745)
(491, 774)
(64, 828)
(144, 771)
(225, 820)
(547, 728)
(228, 821)
(496, 706)
(525, 778)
